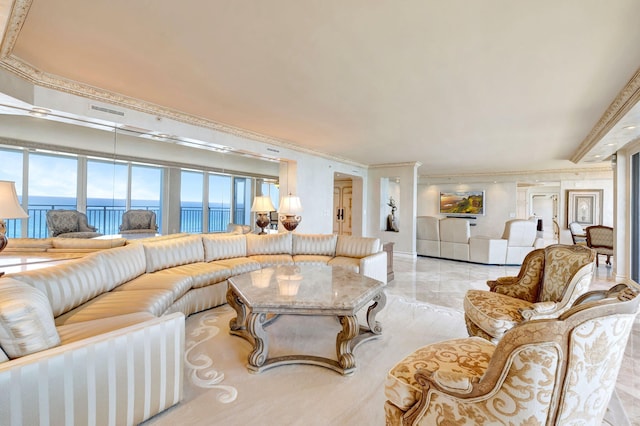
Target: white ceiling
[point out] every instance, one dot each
(460, 86)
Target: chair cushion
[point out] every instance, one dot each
(494, 313)
(65, 221)
(358, 247)
(26, 320)
(167, 253)
(469, 356)
(269, 244)
(239, 265)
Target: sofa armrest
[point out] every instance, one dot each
(122, 377)
(375, 266)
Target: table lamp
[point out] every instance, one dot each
(10, 208)
(290, 209)
(262, 205)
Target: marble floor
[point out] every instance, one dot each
(444, 282)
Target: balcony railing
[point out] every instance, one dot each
(108, 219)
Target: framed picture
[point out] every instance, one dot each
(469, 203)
(584, 206)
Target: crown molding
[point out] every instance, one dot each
(495, 175)
(628, 97)
(40, 78)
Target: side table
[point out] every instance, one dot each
(388, 247)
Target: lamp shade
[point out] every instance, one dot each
(10, 207)
(262, 203)
(290, 205)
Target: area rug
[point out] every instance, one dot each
(219, 390)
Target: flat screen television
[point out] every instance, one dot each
(469, 203)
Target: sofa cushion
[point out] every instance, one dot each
(201, 273)
(26, 320)
(311, 259)
(123, 263)
(351, 263)
(83, 243)
(173, 252)
(268, 260)
(177, 284)
(358, 247)
(223, 246)
(70, 284)
(37, 244)
(239, 265)
(81, 330)
(112, 303)
(320, 244)
(269, 244)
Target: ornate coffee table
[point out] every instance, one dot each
(259, 297)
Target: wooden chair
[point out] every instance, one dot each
(600, 238)
(577, 233)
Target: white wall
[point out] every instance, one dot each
(500, 204)
(403, 186)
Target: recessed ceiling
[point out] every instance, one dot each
(460, 86)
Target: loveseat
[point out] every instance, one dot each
(100, 339)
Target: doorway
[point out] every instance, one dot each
(342, 205)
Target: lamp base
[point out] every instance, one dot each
(3, 241)
(290, 222)
(262, 221)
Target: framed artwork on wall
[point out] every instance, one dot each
(584, 206)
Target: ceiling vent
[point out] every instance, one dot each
(106, 110)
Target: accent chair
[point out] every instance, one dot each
(577, 233)
(557, 371)
(138, 222)
(70, 224)
(549, 281)
(600, 238)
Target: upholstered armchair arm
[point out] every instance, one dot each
(527, 284)
(578, 285)
(83, 224)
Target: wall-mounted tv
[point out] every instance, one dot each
(469, 203)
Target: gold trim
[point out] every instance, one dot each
(621, 105)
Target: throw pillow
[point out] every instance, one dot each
(26, 320)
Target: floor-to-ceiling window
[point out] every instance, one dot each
(146, 189)
(191, 192)
(219, 202)
(11, 170)
(241, 200)
(53, 184)
(106, 194)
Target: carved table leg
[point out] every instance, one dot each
(239, 322)
(379, 302)
(350, 329)
(260, 341)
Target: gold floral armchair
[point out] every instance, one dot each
(542, 372)
(549, 281)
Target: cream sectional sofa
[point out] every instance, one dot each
(450, 238)
(100, 339)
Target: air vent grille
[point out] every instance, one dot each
(107, 110)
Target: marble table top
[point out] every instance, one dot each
(305, 289)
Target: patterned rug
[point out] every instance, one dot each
(219, 390)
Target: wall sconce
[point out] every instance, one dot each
(290, 209)
(10, 208)
(262, 205)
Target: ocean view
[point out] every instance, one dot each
(106, 215)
